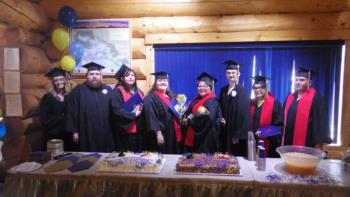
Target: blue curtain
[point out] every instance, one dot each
(185, 62)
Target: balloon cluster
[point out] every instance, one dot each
(60, 38)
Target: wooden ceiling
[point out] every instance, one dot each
(88, 9)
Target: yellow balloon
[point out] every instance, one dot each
(60, 38)
(67, 63)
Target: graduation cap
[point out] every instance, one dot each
(305, 72)
(206, 78)
(260, 80)
(160, 75)
(85, 162)
(231, 65)
(121, 72)
(93, 66)
(56, 72)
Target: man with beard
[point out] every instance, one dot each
(305, 114)
(88, 112)
(235, 106)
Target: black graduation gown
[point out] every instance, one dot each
(318, 127)
(52, 119)
(121, 122)
(236, 112)
(88, 113)
(277, 120)
(160, 118)
(206, 127)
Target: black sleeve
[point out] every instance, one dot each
(320, 125)
(277, 115)
(243, 116)
(152, 113)
(48, 119)
(72, 111)
(117, 107)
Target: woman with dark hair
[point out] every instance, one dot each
(164, 132)
(52, 108)
(128, 119)
(202, 118)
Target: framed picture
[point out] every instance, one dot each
(106, 42)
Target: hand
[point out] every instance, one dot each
(76, 137)
(235, 140)
(257, 133)
(222, 121)
(160, 138)
(137, 110)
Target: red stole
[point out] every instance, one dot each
(265, 115)
(302, 116)
(189, 141)
(126, 96)
(167, 102)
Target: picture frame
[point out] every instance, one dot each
(106, 42)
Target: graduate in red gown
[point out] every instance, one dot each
(266, 116)
(163, 126)
(127, 107)
(305, 114)
(203, 118)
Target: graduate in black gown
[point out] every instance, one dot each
(235, 106)
(163, 129)
(202, 118)
(266, 113)
(52, 108)
(305, 114)
(88, 112)
(128, 124)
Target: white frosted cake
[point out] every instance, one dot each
(145, 162)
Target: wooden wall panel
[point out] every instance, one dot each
(138, 48)
(239, 23)
(34, 60)
(250, 36)
(33, 81)
(89, 9)
(23, 14)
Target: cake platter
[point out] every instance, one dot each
(209, 174)
(105, 166)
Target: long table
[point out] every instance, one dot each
(167, 183)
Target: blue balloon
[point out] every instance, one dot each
(3, 130)
(76, 50)
(67, 16)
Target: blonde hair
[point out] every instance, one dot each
(66, 90)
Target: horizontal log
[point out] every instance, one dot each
(15, 36)
(138, 48)
(261, 22)
(23, 14)
(32, 81)
(34, 60)
(30, 37)
(251, 36)
(31, 99)
(90, 9)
